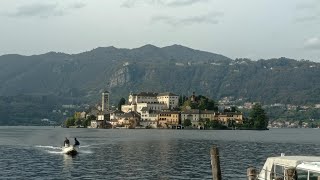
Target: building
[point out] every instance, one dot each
(102, 120)
(128, 120)
(228, 117)
(207, 115)
(169, 99)
(149, 118)
(193, 115)
(105, 102)
(115, 115)
(169, 119)
(155, 101)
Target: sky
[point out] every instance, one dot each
(255, 29)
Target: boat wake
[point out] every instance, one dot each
(48, 147)
(51, 149)
(59, 150)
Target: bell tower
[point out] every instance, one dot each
(105, 101)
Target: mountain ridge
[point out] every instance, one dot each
(175, 68)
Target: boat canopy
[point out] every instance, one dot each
(301, 162)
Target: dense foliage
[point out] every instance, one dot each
(257, 118)
(122, 101)
(200, 102)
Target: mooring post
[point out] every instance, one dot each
(290, 173)
(215, 163)
(251, 173)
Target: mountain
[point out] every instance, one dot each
(87, 74)
(83, 77)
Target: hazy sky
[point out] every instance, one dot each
(235, 28)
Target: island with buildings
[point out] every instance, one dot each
(158, 110)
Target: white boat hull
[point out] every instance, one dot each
(71, 150)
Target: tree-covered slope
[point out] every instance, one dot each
(176, 68)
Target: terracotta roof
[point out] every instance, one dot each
(145, 109)
(191, 111)
(208, 112)
(167, 94)
(150, 94)
(169, 112)
(154, 94)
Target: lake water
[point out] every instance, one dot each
(34, 152)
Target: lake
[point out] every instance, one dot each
(35, 153)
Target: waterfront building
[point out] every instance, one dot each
(149, 118)
(193, 115)
(129, 120)
(227, 117)
(207, 115)
(97, 124)
(168, 119)
(116, 114)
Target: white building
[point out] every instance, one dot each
(167, 101)
(149, 118)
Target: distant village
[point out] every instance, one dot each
(163, 110)
(155, 110)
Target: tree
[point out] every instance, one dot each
(121, 102)
(78, 122)
(258, 118)
(70, 121)
(187, 122)
(201, 103)
(214, 124)
(182, 99)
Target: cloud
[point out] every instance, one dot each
(306, 6)
(44, 10)
(307, 18)
(308, 11)
(312, 43)
(77, 5)
(169, 3)
(211, 18)
(177, 3)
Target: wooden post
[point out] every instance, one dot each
(215, 163)
(290, 173)
(251, 173)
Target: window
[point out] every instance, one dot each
(313, 176)
(279, 171)
(302, 174)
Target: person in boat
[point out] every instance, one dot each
(66, 142)
(76, 142)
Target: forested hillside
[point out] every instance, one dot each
(82, 77)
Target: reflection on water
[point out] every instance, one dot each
(144, 154)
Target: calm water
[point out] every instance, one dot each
(34, 152)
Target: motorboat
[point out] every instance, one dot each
(70, 150)
(297, 167)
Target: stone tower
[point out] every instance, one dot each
(105, 101)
